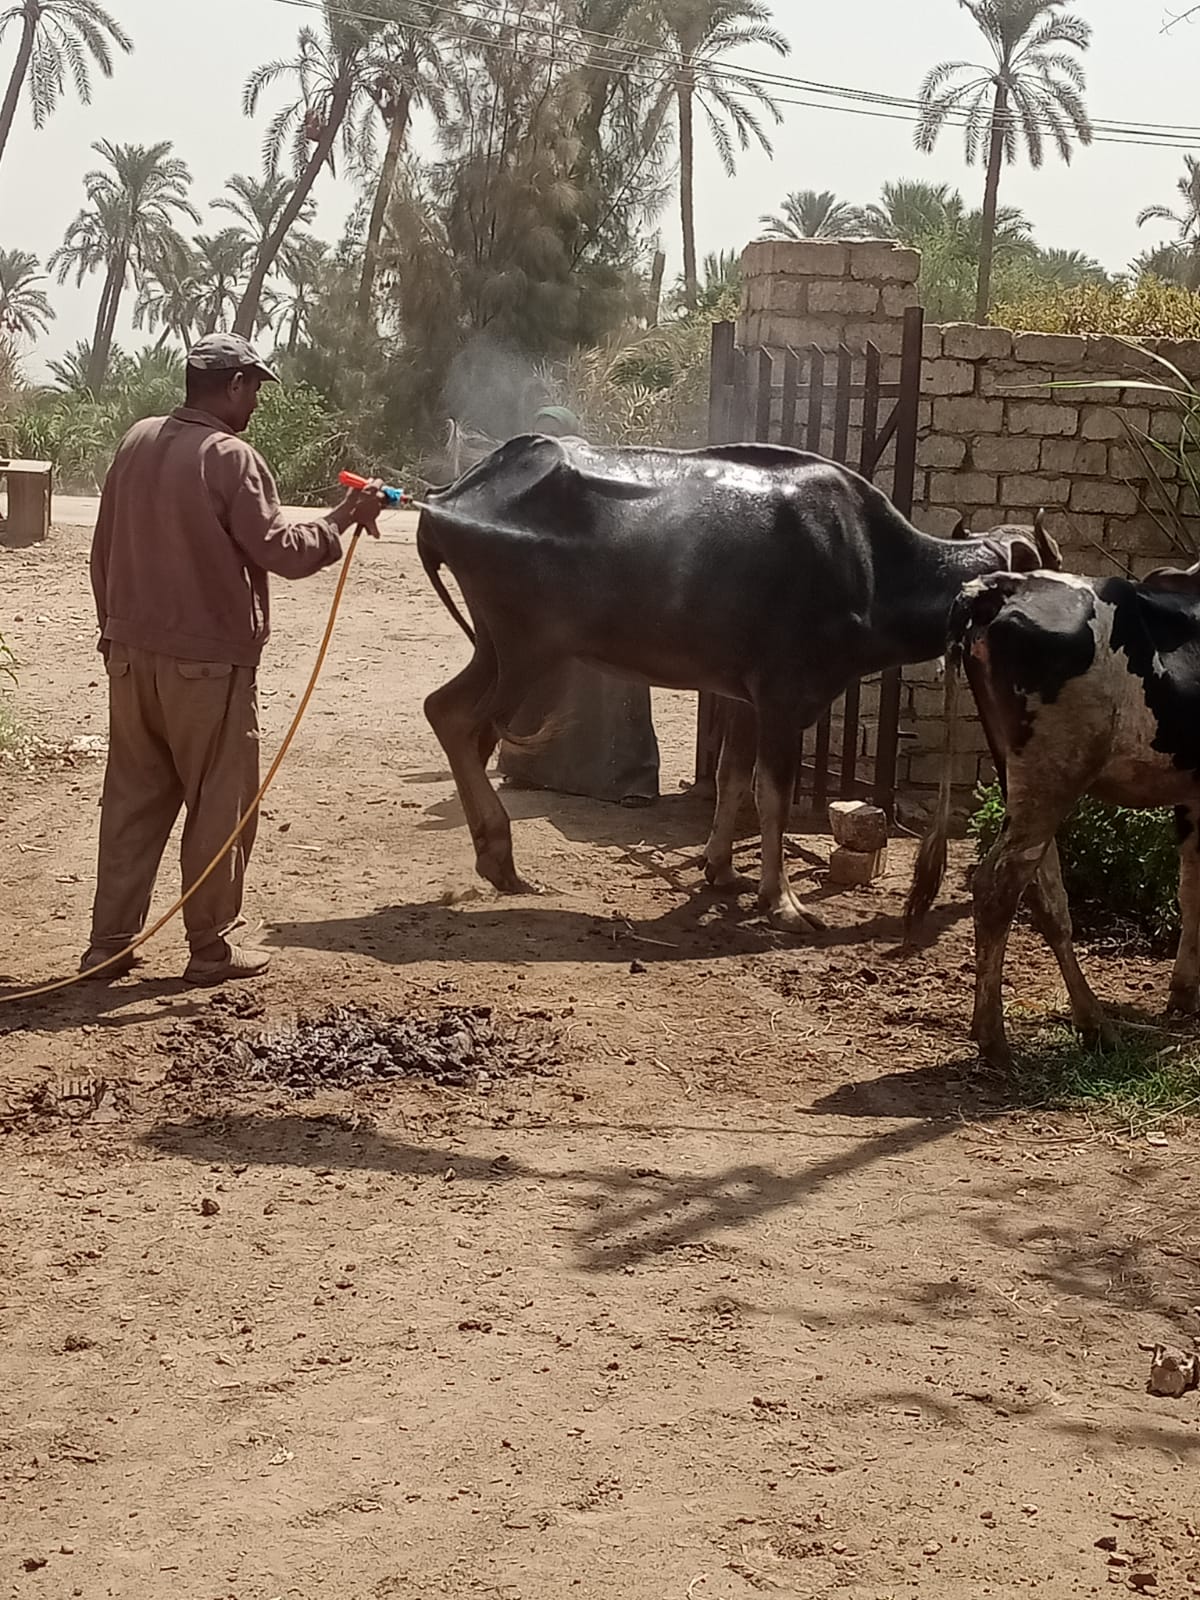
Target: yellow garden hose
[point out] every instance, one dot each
(143, 938)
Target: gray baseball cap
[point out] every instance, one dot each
(228, 352)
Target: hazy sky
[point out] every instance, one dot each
(184, 80)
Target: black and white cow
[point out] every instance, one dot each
(766, 576)
(1084, 686)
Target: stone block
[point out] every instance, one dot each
(1166, 427)
(1080, 529)
(884, 262)
(947, 377)
(855, 825)
(1005, 378)
(796, 258)
(1040, 417)
(1078, 457)
(1034, 490)
(962, 488)
(784, 297)
(1112, 499)
(897, 298)
(968, 416)
(1006, 455)
(853, 868)
(931, 342)
(966, 342)
(843, 299)
(938, 520)
(1144, 536)
(1124, 461)
(941, 451)
(1051, 349)
(887, 337)
(1105, 421)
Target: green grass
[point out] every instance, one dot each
(11, 736)
(1148, 1073)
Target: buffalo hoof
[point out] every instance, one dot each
(726, 879)
(792, 917)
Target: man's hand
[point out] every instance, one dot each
(360, 509)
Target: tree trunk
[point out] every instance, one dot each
(991, 191)
(656, 283)
(105, 322)
(16, 82)
(687, 197)
(98, 368)
(383, 194)
(294, 330)
(247, 315)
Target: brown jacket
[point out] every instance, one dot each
(189, 528)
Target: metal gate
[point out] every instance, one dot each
(833, 403)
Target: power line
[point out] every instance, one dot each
(754, 84)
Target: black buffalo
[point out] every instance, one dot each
(758, 573)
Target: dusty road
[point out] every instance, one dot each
(752, 1293)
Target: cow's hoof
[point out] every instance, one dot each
(504, 878)
(1183, 1002)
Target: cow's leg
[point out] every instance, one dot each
(1052, 918)
(1001, 878)
(735, 774)
(775, 781)
(1185, 979)
(460, 715)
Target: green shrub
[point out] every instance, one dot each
(1147, 309)
(1117, 864)
(302, 441)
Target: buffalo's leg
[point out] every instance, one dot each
(775, 782)
(735, 774)
(1185, 979)
(1052, 918)
(460, 714)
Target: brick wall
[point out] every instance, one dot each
(996, 441)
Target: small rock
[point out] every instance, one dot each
(1173, 1372)
(74, 1342)
(857, 826)
(209, 1207)
(1107, 1542)
(1143, 1580)
(933, 1548)
(855, 867)
(637, 968)
(34, 1563)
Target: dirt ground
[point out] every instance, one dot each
(756, 1292)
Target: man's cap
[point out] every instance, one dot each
(228, 352)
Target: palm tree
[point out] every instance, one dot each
(1167, 262)
(1186, 222)
(407, 75)
(805, 214)
(219, 265)
(699, 35)
(1067, 269)
(303, 262)
(24, 307)
(57, 36)
(128, 230)
(169, 300)
(70, 372)
(1033, 87)
(909, 210)
(332, 72)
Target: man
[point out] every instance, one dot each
(188, 530)
(606, 748)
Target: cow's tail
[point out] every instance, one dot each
(433, 563)
(931, 860)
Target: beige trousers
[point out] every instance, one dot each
(181, 734)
